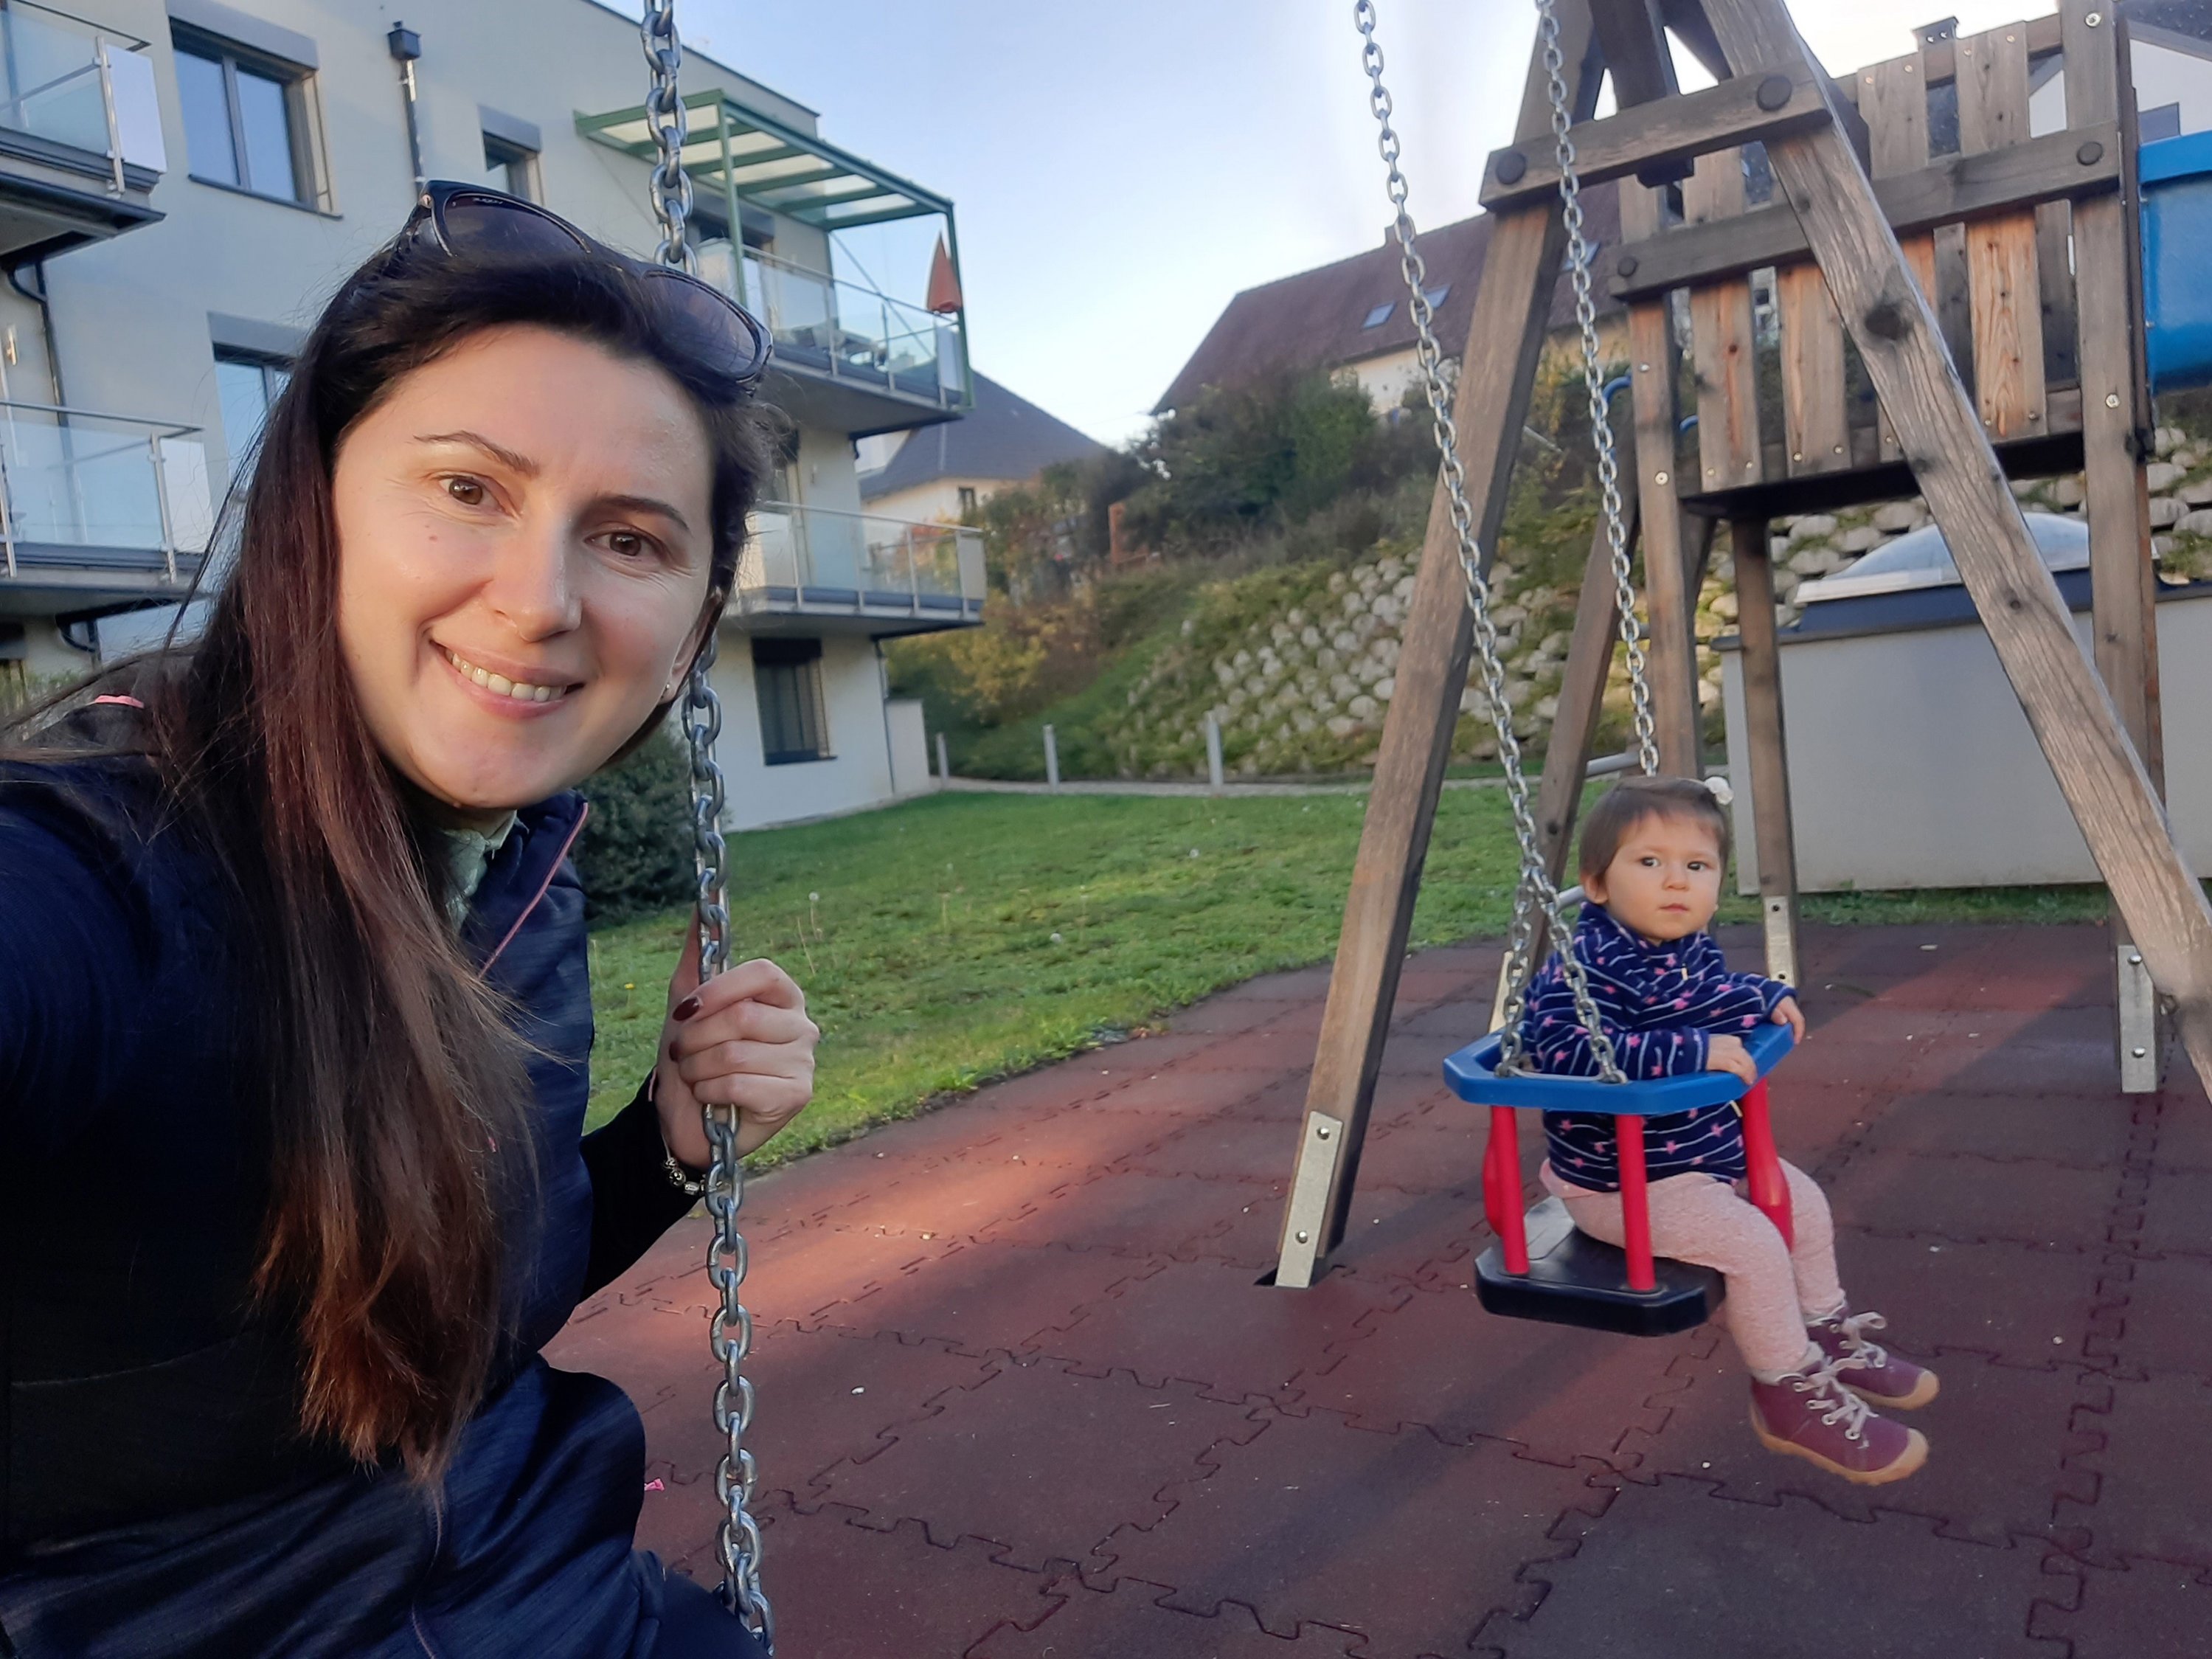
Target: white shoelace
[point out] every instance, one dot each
(1837, 1404)
(1857, 1348)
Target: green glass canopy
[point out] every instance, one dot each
(734, 150)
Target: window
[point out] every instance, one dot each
(244, 121)
(1381, 314)
(1436, 296)
(246, 386)
(510, 167)
(967, 500)
(788, 681)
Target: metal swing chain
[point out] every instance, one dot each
(1536, 894)
(1608, 464)
(731, 1333)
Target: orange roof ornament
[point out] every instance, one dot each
(943, 293)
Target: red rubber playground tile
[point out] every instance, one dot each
(1203, 1323)
(998, 1298)
(846, 1591)
(1968, 1200)
(1036, 1289)
(1939, 1294)
(2128, 1613)
(2060, 1128)
(1670, 1570)
(1038, 1458)
(1135, 1619)
(2142, 1460)
(1401, 1537)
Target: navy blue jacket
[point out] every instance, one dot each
(1661, 1005)
(155, 1495)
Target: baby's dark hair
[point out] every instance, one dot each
(1632, 800)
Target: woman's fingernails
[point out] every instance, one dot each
(684, 1009)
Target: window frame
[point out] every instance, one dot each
(774, 656)
(512, 156)
(296, 83)
(235, 453)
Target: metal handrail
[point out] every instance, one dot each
(156, 433)
(954, 535)
(131, 42)
(99, 70)
(913, 320)
(163, 428)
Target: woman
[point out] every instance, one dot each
(295, 1015)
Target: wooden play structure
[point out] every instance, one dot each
(1957, 302)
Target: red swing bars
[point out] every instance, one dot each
(1502, 1196)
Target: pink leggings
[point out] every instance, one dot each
(1772, 1289)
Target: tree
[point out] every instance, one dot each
(1260, 453)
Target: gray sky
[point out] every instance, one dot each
(1120, 169)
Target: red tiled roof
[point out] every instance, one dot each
(1315, 318)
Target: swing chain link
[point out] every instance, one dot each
(1536, 896)
(665, 118)
(1608, 463)
(730, 1334)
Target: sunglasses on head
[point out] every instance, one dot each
(474, 221)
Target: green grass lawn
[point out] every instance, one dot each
(958, 938)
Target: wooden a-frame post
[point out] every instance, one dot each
(1937, 427)
(1512, 306)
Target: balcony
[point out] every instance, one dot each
(812, 570)
(847, 358)
(80, 133)
(98, 511)
(865, 343)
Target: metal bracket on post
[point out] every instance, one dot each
(1308, 1221)
(1781, 919)
(2142, 1048)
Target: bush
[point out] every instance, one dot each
(1271, 452)
(636, 854)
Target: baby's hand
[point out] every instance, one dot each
(1727, 1053)
(1787, 1012)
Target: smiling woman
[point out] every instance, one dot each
(544, 562)
(290, 915)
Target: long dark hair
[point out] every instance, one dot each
(397, 1100)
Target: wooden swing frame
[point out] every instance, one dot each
(1980, 275)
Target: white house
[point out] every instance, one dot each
(945, 472)
(181, 184)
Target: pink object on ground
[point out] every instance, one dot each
(127, 702)
(1774, 1290)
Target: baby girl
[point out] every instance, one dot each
(1653, 850)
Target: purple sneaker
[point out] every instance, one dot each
(1812, 1415)
(1868, 1370)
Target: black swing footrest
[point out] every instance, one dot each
(1575, 1279)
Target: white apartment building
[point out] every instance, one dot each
(182, 185)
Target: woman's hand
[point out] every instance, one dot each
(1727, 1053)
(744, 1040)
(1787, 1012)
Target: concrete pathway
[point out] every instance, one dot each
(1020, 1395)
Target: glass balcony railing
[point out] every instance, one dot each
(70, 83)
(106, 492)
(815, 555)
(840, 328)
